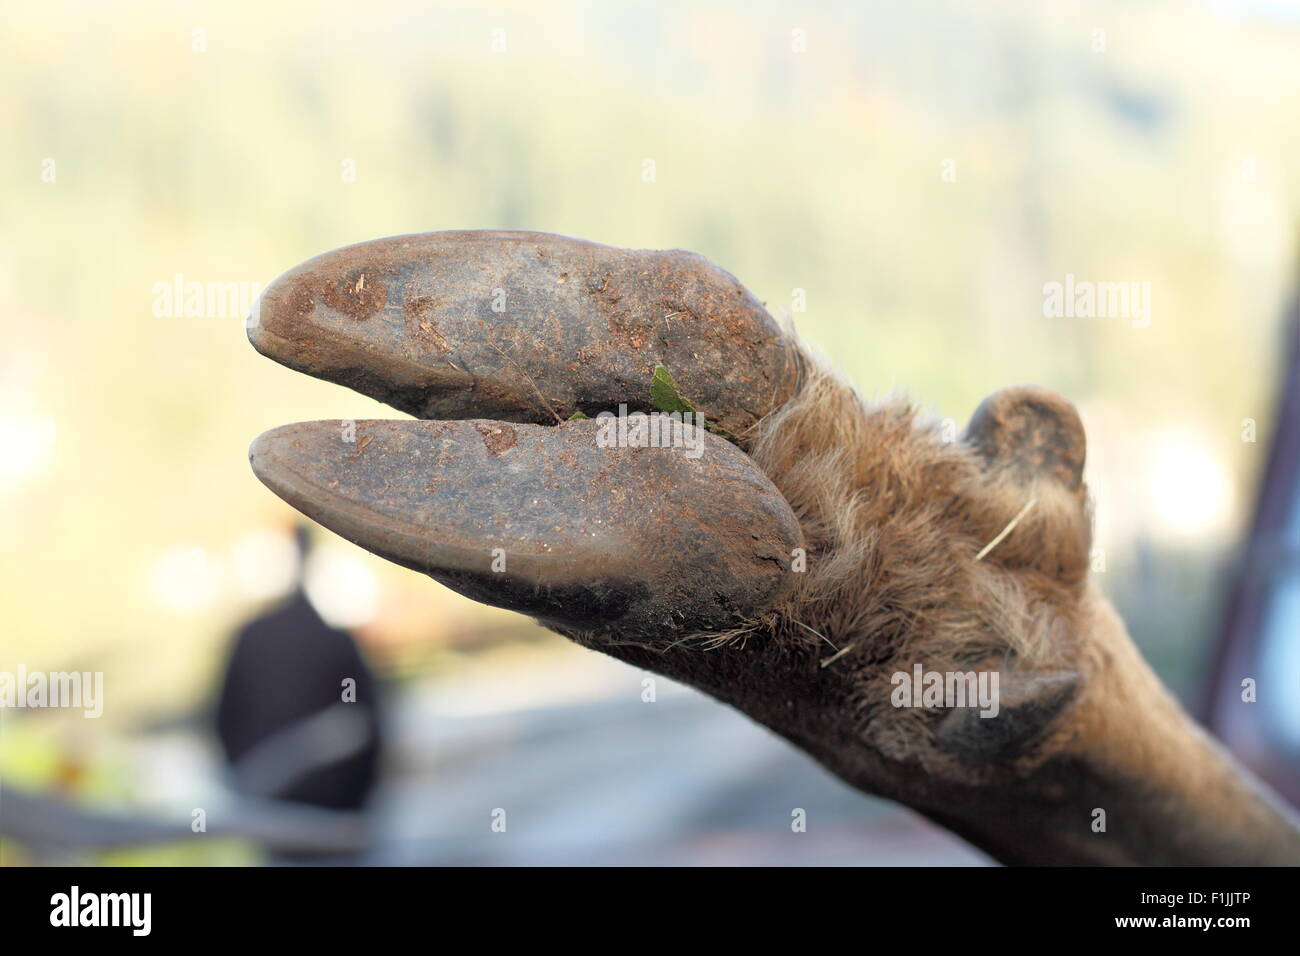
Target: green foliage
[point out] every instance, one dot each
(667, 397)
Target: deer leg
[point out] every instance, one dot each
(792, 569)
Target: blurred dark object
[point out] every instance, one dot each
(288, 729)
(1261, 634)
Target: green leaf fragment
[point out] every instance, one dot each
(665, 395)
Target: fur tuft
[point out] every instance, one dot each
(894, 518)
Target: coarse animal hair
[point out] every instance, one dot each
(897, 520)
(895, 515)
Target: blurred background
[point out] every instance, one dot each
(901, 180)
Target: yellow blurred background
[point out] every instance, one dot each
(899, 179)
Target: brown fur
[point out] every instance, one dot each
(895, 518)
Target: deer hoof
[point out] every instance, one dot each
(553, 521)
(525, 327)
